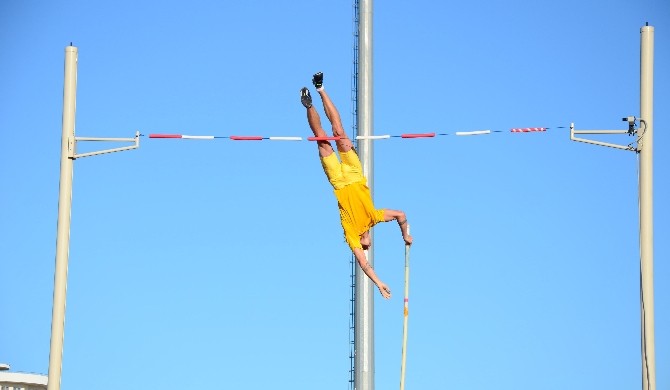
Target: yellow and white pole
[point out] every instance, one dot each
(405, 315)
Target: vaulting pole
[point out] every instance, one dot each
(405, 317)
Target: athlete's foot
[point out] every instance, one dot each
(317, 80)
(305, 98)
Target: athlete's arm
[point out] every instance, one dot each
(390, 215)
(370, 272)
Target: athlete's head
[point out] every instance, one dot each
(365, 240)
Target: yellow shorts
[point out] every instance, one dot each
(342, 174)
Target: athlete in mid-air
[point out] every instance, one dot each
(357, 211)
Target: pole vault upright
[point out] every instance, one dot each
(68, 155)
(63, 226)
(645, 150)
(364, 306)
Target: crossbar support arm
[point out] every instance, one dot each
(73, 155)
(599, 143)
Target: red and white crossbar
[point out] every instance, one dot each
(232, 137)
(333, 138)
(528, 129)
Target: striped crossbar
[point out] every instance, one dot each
(419, 135)
(333, 138)
(528, 129)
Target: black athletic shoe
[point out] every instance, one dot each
(305, 98)
(317, 80)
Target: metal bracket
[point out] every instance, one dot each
(610, 145)
(73, 155)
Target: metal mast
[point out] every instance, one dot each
(354, 131)
(364, 307)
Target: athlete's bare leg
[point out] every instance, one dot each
(325, 148)
(344, 144)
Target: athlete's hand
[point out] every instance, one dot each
(384, 290)
(408, 239)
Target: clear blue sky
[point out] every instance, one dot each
(221, 264)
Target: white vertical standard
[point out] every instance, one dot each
(645, 149)
(364, 368)
(645, 144)
(67, 157)
(63, 227)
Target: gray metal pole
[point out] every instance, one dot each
(646, 148)
(364, 337)
(64, 209)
